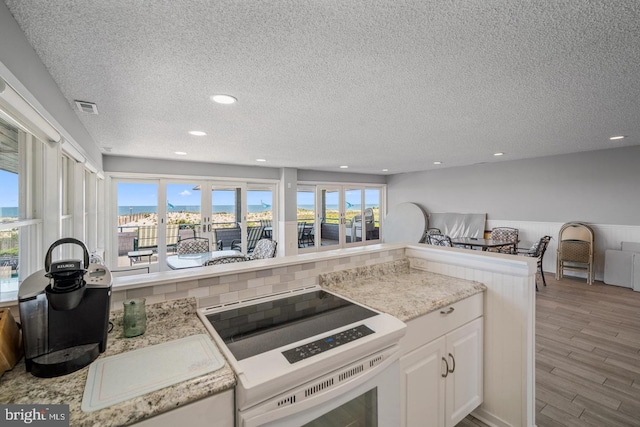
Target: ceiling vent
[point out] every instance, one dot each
(87, 107)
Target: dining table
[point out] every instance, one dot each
(178, 262)
(483, 244)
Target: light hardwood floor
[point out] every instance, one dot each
(587, 355)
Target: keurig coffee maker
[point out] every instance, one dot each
(64, 311)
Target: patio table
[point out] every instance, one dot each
(177, 262)
(484, 244)
(137, 255)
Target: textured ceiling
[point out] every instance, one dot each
(369, 84)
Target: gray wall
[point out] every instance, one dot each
(322, 176)
(162, 167)
(17, 55)
(175, 167)
(601, 187)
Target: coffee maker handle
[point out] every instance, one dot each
(47, 258)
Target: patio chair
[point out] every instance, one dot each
(192, 245)
(224, 237)
(268, 228)
(265, 248)
(537, 250)
(439, 240)
(301, 225)
(355, 227)
(505, 233)
(147, 237)
(173, 232)
(253, 235)
(307, 235)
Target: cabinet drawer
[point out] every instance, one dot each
(439, 322)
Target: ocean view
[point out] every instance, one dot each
(9, 212)
(128, 210)
(12, 212)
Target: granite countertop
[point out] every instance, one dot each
(399, 290)
(166, 321)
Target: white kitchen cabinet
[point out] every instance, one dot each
(442, 380)
(464, 378)
(422, 387)
(218, 410)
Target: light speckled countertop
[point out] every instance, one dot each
(396, 289)
(166, 321)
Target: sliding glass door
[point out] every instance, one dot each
(136, 224)
(330, 217)
(338, 216)
(148, 231)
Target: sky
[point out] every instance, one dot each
(134, 194)
(8, 189)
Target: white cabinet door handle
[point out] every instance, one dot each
(448, 311)
(446, 368)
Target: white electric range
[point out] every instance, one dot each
(308, 355)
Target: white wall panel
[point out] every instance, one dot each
(607, 236)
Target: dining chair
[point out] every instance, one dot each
(192, 245)
(508, 234)
(537, 250)
(265, 248)
(439, 240)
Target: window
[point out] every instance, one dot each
(347, 215)
(20, 247)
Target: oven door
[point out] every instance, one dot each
(371, 399)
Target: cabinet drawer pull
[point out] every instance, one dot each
(446, 368)
(448, 311)
(453, 362)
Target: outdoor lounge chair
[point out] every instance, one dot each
(253, 235)
(224, 237)
(147, 237)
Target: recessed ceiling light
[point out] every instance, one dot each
(261, 160)
(498, 154)
(197, 133)
(385, 170)
(223, 99)
(613, 138)
(181, 153)
(437, 163)
(344, 167)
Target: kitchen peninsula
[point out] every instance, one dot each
(508, 308)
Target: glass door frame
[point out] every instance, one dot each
(342, 188)
(206, 208)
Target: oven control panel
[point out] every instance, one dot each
(327, 343)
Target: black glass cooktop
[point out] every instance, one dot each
(264, 326)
